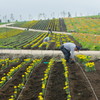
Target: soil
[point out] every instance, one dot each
(7, 90)
(79, 87)
(55, 85)
(9, 67)
(94, 78)
(51, 46)
(33, 87)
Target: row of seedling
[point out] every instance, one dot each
(45, 80)
(66, 74)
(25, 77)
(37, 37)
(7, 76)
(4, 63)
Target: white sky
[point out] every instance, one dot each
(50, 8)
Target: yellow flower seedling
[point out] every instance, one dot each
(90, 66)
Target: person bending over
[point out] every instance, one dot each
(47, 39)
(68, 51)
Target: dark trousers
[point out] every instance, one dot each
(65, 52)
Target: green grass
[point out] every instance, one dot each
(4, 29)
(2, 23)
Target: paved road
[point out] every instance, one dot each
(47, 52)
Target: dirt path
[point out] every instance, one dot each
(6, 25)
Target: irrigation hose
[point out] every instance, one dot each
(88, 81)
(48, 83)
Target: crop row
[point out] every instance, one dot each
(83, 25)
(80, 25)
(23, 70)
(18, 41)
(34, 40)
(9, 32)
(4, 30)
(11, 71)
(53, 24)
(56, 41)
(38, 78)
(25, 24)
(89, 41)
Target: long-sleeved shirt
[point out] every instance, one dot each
(70, 47)
(46, 39)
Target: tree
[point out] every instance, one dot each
(8, 20)
(20, 17)
(44, 16)
(98, 13)
(5, 18)
(12, 17)
(75, 14)
(30, 17)
(69, 14)
(39, 16)
(52, 15)
(63, 13)
(0, 20)
(81, 14)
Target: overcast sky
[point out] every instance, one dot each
(30, 9)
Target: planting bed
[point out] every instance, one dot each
(34, 41)
(79, 87)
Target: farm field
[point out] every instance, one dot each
(9, 39)
(53, 24)
(25, 77)
(80, 25)
(25, 24)
(31, 40)
(44, 77)
(83, 25)
(87, 27)
(90, 41)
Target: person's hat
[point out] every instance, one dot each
(78, 47)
